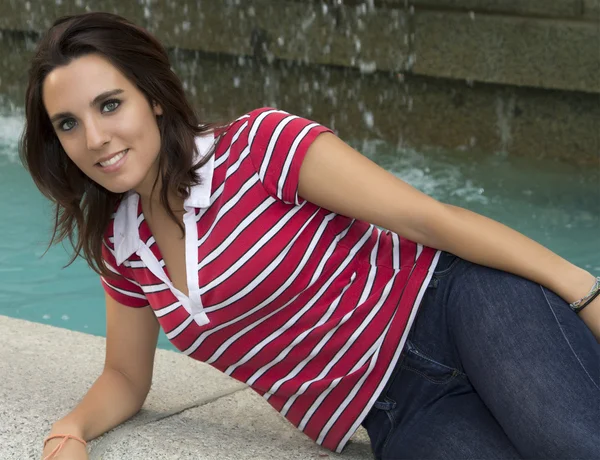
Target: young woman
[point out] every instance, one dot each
(255, 246)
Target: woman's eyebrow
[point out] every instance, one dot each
(96, 101)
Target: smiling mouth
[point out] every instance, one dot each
(113, 160)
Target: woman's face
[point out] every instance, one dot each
(104, 123)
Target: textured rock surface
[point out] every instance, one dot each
(531, 52)
(192, 411)
(422, 77)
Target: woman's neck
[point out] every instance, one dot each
(153, 205)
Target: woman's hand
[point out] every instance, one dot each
(72, 450)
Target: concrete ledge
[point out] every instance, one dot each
(267, 29)
(541, 8)
(342, 66)
(192, 411)
(309, 33)
(402, 110)
(506, 42)
(508, 50)
(576, 9)
(591, 10)
(235, 427)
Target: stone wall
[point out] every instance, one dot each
(530, 66)
(539, 43)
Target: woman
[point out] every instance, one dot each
(254, 246)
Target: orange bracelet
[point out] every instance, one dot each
(58, 448)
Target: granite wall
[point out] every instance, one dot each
(517, 76)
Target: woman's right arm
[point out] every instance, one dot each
(120, 391)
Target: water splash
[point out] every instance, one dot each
(436, 175)
(11, 127)
(505, 113)
(369, 119)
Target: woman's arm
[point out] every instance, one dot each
(110, 401)
(336, 177)
(121, 389)
(486, 242)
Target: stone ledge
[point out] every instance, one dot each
(46, 370)
(314, 33)
(539, 8)
(512, 50)
(508, 50)
(223, 430)
(404, 110)
(289, 30)
(591, 10)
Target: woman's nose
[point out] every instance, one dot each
(96, 136)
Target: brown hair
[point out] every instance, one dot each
(82, 207)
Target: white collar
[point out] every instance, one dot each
(126, 235)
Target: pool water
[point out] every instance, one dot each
(556, 204)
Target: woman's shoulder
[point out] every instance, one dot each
(255, 113)
(262, 124)
(251, 116)
(246, 120)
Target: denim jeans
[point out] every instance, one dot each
(495, 367)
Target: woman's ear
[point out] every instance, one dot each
(156, 108)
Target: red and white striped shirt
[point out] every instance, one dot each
(308, 307)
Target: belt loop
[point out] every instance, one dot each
(386, 405)
(434, 283)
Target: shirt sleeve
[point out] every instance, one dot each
(278, 143)
(122, 287)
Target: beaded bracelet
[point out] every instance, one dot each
(582, 303)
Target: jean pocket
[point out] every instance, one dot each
(430, 369)
(446, 263)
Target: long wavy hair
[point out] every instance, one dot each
(82, 208)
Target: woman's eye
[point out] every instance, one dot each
(65, 123)
(107, 107)
(111, 105)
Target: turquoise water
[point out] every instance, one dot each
(557, 205)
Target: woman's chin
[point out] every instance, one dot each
(123, 182)
(118, 187)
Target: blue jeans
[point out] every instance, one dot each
(495, 366)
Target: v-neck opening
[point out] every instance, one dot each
(192, 302)
(146, 232)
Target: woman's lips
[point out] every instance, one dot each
(116, 165)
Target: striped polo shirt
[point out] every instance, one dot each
(309, 308)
